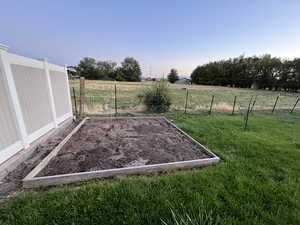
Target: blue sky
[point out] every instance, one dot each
(161, 34)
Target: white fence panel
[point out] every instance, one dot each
(34, 98)
(10, 141)
(33, 94)
(61, 97)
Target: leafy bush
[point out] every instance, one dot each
(157, 98)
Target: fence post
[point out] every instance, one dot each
(186, 100)
(247, 115)
(51, 98)
(69, 90)
(234, 102)
(295, 105)
(116, 107)
(275, 104)
(253, 104)
(14, 95)
(211, 104)
(75, 104)
(82, 92)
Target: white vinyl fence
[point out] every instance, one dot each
(34, 99)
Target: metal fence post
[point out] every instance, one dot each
(252, 107)
(247, 115)
(275, 104)
(186, 100)
(82, 92)
(211, 104)
(295, 105)
(116, 107)
(234, 102)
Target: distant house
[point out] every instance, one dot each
(71, 72)
(148, 79)
(183, 80)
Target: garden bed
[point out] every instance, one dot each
(104, 147)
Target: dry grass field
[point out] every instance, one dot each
(100, 97)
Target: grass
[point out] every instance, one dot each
(257, 182)
(100, 97)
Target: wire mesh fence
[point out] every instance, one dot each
(104, 97)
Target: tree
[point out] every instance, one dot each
(119, 75)
(173, 76)
(101, 70)
(264, 72)
(87, 67)
(131, 70)
(106, 70)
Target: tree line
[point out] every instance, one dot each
(92, 69)
(264, 72)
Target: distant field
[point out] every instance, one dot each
(100, 97)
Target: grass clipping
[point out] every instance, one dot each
(157, 97)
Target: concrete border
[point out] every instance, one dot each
(31, 181)
(53, 153)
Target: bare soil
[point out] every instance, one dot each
(123, 142)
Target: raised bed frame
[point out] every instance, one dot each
(31, 181)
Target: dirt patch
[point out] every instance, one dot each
(123, 142)
(11, 185)
(222, 107)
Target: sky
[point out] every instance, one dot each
(160, 34)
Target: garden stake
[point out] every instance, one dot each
(275, 104)
(211, 104)
(295, 105)
(116, 110)
(234, 101)
(247, 115)
(75, 104)
(253, 104)
(186, 99)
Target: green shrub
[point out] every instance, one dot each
(157, 97)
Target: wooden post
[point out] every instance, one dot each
(75, 104)
(275, 104)
(116, 107)
(252, 107)
(211, 104)
(82, 92)
(247, 115)
(234, 102)
(295, 105)
(186, 100)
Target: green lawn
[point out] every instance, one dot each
(100, 97)
(257, 182)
